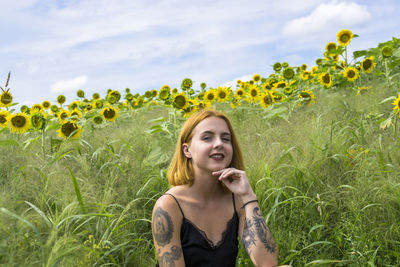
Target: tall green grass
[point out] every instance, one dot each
(326, 175)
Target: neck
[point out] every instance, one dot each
(206, 187)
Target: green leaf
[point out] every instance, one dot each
(77, 191)
(378, 73)
(8, 142)
(387, 99)
(360, 53)
(396, 53)
(6, 211)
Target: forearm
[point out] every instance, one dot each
(256, 237)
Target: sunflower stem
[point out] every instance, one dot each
(345, 51)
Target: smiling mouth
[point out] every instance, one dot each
(217, 156)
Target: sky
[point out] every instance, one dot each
(55, 47)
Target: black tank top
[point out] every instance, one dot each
(198, 250)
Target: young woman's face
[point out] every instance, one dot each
(211, 146)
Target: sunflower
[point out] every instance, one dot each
(331, 48)
(368, 64)
(54, 109)
(69, 130)
(164, 92)
(61, 99)
(305, 75)
(281, 84)
(80, 93)
(288, 90)
(24, 108)
(387, 51)
(63, 115)
(344, 37)
(129, 97)
(277, 66)
(288, 73)
(307, 96)
(362, 90)
(115, 94)
(203, 85)
(46, 104)
(96, 96)
(209, 96)
(73, 105)
(154, 93)
(19, 122)
(256, 78)
(4, 118)
(38, 121)
(98, 104)
(88, 108)
(350, 73)
(318, 61)
(77, 113)
(253, 93)
(109, 113)
(180, 101)
(98, 119)
(303, 66)
(5, 99)
(396, 104)
(37, 108)
(223, 93)
(325, 79)
(266, 99)
(239, 93)
(186, 84)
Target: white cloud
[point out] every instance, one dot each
(328, 16)
(69, 85)
(244, 78)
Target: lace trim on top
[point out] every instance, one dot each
(204, 235)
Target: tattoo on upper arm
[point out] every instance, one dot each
(162, 227)
(168, 258)
(262, 231)
(248, 237)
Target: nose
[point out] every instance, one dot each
(218, 142)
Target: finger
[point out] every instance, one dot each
(231, 173)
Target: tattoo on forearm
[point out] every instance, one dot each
(162, 227)
(248, 237)
(262, 231)
(168, 258)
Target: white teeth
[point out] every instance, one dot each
(217, 156)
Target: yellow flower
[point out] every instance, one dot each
(325, 79)
(63, 115)
(396, 104)
(368, 64)
(350, 73)
(331, 48)
(307, 96)
(4, 118)
(344, 37)
(256, 77)
(209, 96)
(253, 93)
(19, 122)
(223, 93)
(281, 84)
(38, 121)
(77, 113)
(266, 99)
(5, 99)
(387, 51)
(61, 99)
(288, 73)
(239, 93)
(305, 75)
(37, 108)
(69, 130)
(109, 113)
(180, 101)
(46, 104)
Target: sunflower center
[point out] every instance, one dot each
(367, 64)
(109, 113)
(351, 73)
(210, 96)
(68, 128)
(326, 78)
(63, 115)
(18, 121)
(267, 100)
(240, 93)
(222, 95)
(2, 119)
(253, 93)
(344, 38)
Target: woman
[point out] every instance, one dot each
(197, 221)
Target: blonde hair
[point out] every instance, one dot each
(180, 171)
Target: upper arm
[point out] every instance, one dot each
(166, 224)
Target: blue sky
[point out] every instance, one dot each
(58, 47)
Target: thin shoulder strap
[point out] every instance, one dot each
(233, 200)
(176, 203)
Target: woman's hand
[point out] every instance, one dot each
(237, 182)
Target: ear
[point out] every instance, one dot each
(186, 151)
